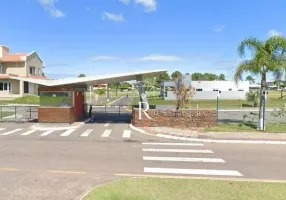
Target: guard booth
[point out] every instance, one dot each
(61, 104)
(63, 100)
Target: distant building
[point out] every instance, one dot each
(12, 66)
(208, 90)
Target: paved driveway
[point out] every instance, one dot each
(65, 164)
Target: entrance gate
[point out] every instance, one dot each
(111, 113)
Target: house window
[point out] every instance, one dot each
(32, 70)
(199, 90)
(241, 90)
(4, 86)
(39, 71)
(1, 69)
(229, 89)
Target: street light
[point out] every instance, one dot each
(217, 99)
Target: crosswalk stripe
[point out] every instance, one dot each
(126, 134)
(106, 133)
(177, 150)
(106, 125)
(68, 132)
(86, 133)
(183, 159)
(174, 144)
(192, 171)
(10, 132)
(46, 133)
(28, 132)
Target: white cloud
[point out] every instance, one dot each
(49, 6)
(158, 57)
(113, 17)
(125, 1)
(103, 58)
(274, 32)
(219, 28)
(149, 5)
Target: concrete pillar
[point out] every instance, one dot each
(141, 90)
(21, 88)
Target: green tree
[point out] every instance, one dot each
(221, 77)
(175, 75)
(197, 76)
(267, 57)
(100, 92)
(250, 79)
(162, 77)
(81, 75)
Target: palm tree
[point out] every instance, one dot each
(266, 57)
(250, 79)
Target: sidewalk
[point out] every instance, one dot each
(199, 134)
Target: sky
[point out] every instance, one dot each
(98, 37)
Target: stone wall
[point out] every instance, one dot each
(172, 118)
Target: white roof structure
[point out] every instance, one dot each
(93, 80)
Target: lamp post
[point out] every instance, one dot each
(217, 100)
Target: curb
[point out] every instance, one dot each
(35, 127)
(223, 141)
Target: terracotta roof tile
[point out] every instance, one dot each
(18, 57)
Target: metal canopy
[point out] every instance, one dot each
(93, 80)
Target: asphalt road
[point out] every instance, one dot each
(66, 164)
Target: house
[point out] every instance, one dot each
(208, 90)
(25, 65)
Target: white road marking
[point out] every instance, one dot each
(192, 171)
(86, 133)
(46, 133)
(178, 150)
(28, 132)
(174, 144)
(1, 129)
(126, 134)
(183, 159)
(106, 133)
(106, 125)
(67, 133)
(10, 132)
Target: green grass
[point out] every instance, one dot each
(22, 100)
(211, 104)
(6, 114)
(187, 189)
(272, 128)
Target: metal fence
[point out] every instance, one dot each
(18, 113)
(112, 113)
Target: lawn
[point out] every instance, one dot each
(6, 114)
(187, 189)
(272, 128)
(22, 100)
(273, 101)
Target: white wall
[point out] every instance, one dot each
(221, 85)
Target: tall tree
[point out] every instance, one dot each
(175, 75)
(267, 56)
(162, 77)
(250, 79)
(221, 77)
(81, 75)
